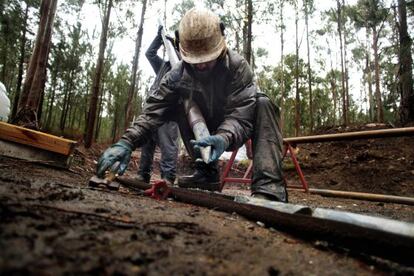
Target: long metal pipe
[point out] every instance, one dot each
(381, 237)
(364, 196)
(380, 133)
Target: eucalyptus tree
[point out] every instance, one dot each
(340, 19)
(308, 7)
(89, 134)
(135, 61)
(372, 15)
(15, 26)
(405, 66)
(31, 96)
(247, 31)
(296, 72)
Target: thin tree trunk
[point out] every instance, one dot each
(282, 78)
(247, 31)
(346, 68)
(135, 61)
(406, 67)
(50, 109)
(5, 52)
(248, 53)
(332, 80)
(378, 98)
(344, 108)
(309, 66)
(53, 85)
(97, 79)
(297, 99)
(21, 64)
(100, 107)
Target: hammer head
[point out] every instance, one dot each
(95, 181)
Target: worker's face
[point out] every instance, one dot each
(205, 66)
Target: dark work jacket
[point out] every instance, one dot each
(227, 101)
(160, 66)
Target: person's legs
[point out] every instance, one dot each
(147, 155)
(167, 140)
(267, 152)
(205, 176)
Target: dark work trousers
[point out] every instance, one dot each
(166, 137)
(267, 147)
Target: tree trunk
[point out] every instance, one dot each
(297, 99)
(248, 31)
(305, 3)
(35, 77)
(346, 68)
(333, 90)
(344, 108)
(21, 64)
(135, 61)
(97, 78)
(406, 67)
(54, 75)
(282, 77)
(100, 107)
(333, 85)
(378, 98)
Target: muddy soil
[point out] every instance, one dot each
(51, 222)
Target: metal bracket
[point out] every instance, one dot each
(159, 190)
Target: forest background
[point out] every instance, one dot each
(77, 68)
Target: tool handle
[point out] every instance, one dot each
(112, 173)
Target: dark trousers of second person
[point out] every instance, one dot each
(166, 137)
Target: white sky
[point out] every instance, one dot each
(265, 36)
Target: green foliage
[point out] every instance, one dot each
(73, 54)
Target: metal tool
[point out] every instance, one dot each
(109, 180)
(194, 116)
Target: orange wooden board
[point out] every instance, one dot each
(36, 139)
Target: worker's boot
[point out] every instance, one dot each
(144, 177)
(205, 177)
(272, 192)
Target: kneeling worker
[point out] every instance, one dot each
(221, 82)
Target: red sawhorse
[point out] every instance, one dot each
(247, 177)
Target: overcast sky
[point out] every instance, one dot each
(265, 36)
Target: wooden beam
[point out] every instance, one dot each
(368, 134)
(31, 154)
(36, 139)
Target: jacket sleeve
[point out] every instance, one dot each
(159, 103)
(152, 56)
(237, 126)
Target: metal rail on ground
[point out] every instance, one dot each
(385, 238)
(290, 143)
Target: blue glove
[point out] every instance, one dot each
(121, 152)
(218, 145)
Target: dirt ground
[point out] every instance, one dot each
(52, 223)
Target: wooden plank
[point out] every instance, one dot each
(32, 154)
(36, 139)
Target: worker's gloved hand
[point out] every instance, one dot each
(217, 142)
(121, 152)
